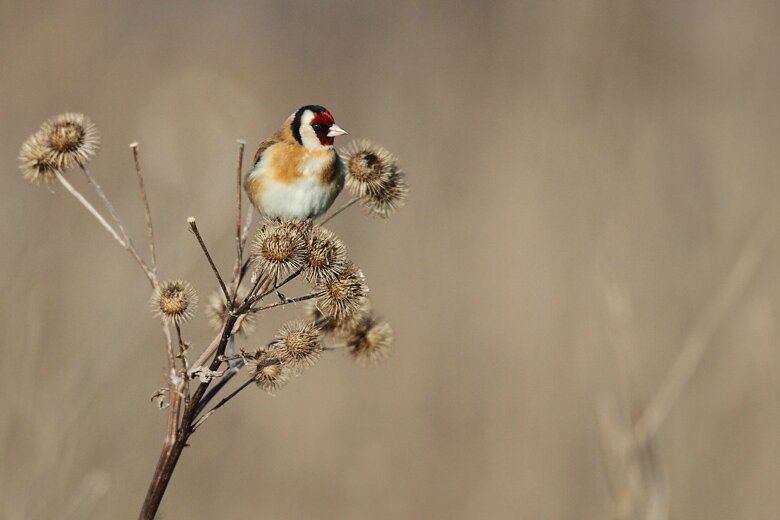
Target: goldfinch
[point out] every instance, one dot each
(297, 172)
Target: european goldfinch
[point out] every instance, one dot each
(297, 172)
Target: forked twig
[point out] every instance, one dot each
(194, 227)
(147, 211)
(258, 294)
(285, 302)
(222, 403)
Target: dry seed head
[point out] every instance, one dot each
(326, 256)
(298, 345)
(390, 198)
(368, 167)
(343, 296)
(35, 161)
(271, 375)
(315, 315)
(279, 247)
(342, 327)
(71, 138)
(217, 307)
(174, 301)
(370, 342)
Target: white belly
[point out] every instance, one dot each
(305, 197)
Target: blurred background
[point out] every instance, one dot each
(585, 177)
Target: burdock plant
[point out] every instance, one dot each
(339, 316)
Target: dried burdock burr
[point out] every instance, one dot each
(72, 139)
(342, 296)
(279, 247)
(174, 301)
(326, 256)
(297, 345)
(36, 162)
(370, 341)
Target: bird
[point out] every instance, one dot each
(297, 173)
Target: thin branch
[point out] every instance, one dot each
(247, 224)
(147, 211)
(244, 268)
(173, 391)
(333, 348)
(731, 290)
(194, 228)
(252, 297)
(126, 237)
(342, 208)
(261, 285)
(322, 320)
(183, 346)
(244, 232)
(110, 207)
(206, 355)
(239, 245)
(214, 390)
(73, 191)
(261, 280)
(285, 302)
(222, 403)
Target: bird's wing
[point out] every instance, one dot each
(263, 147)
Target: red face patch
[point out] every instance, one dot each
(321, 123)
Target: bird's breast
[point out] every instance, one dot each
(288, 182)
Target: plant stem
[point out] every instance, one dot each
(194, 227)
(125, 236)
(279, 304)
(162, 475)
(147, 211)
(175, 443)
(222, 403)
(79, 197)
(342, 208)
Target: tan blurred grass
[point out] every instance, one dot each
(555, 150)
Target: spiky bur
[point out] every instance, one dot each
(368, 166)
(216, 308)
(71, 138)
(297, 345)
(329, 325)
(279, 247)
(326, 256)
(343, 296)
(174, 301)
(375, 177)
(35, 161)
(270, 375)
(370, 341)
(388, 200)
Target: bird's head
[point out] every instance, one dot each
(314, 127)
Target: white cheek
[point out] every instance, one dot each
(309, 138)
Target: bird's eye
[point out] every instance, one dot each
(318, 126)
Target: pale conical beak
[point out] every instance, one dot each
(336, 130)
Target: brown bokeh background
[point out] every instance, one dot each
(584, 176)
